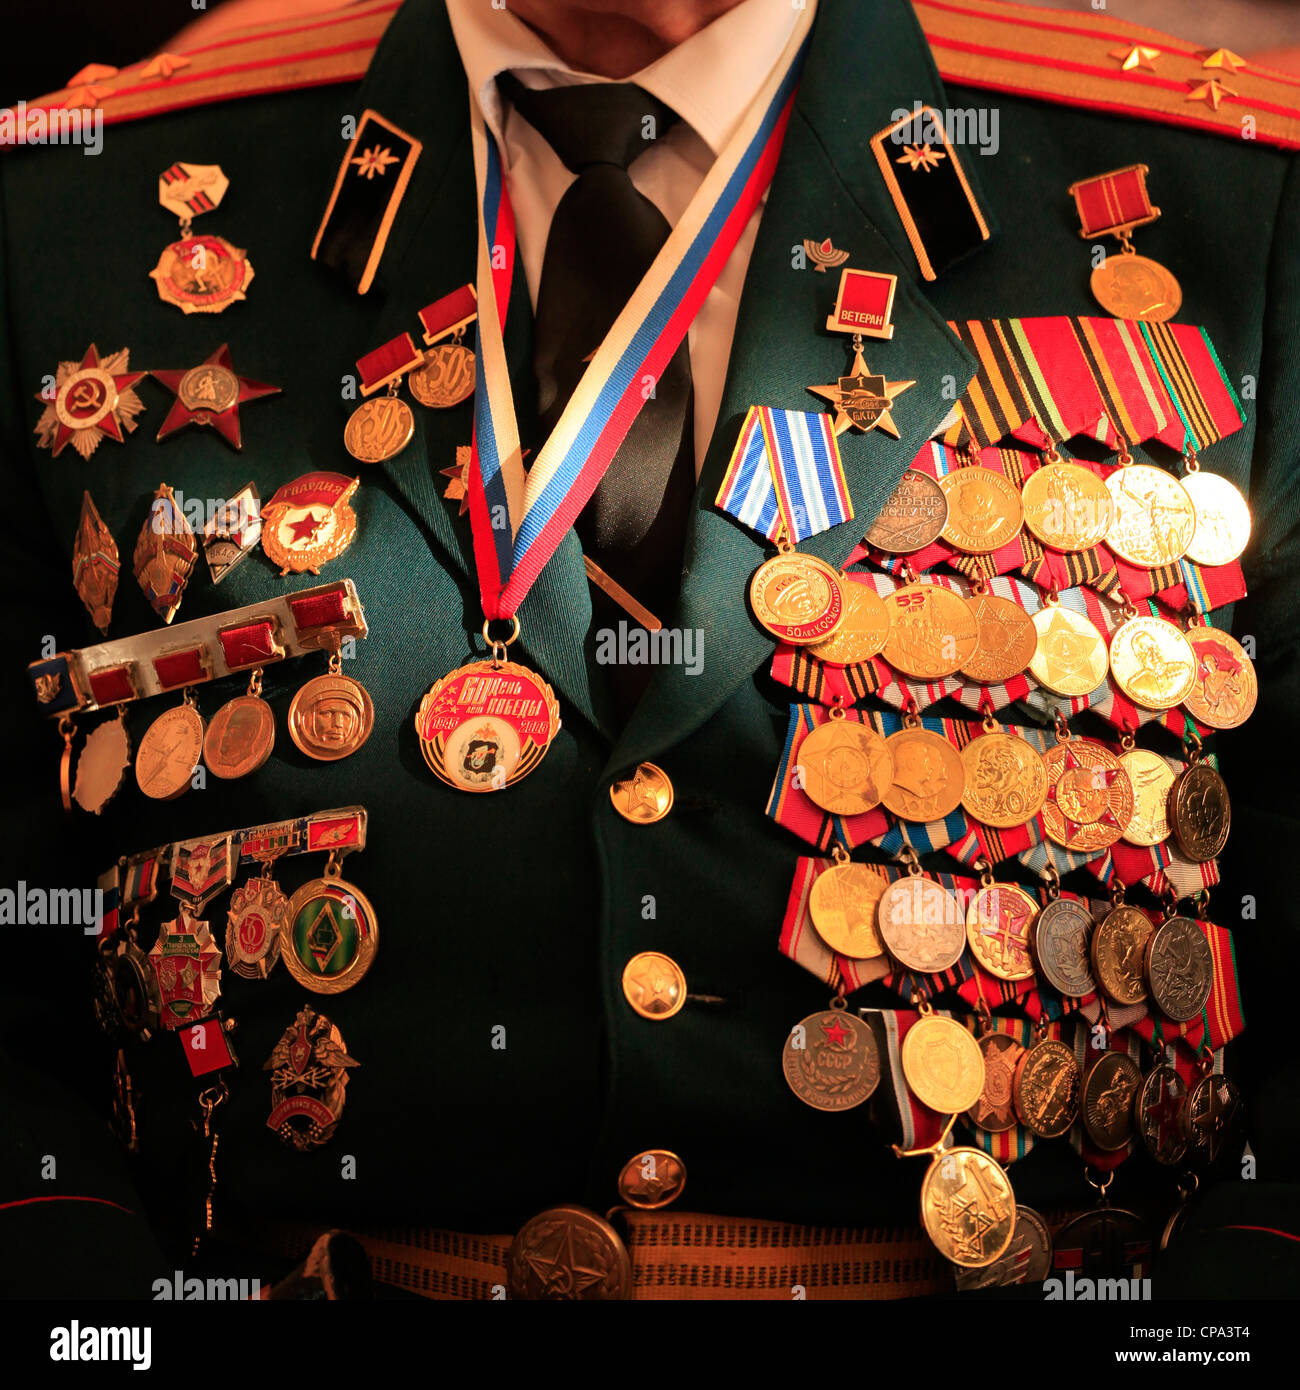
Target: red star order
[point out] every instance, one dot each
(225, 420)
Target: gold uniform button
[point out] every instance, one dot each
(654, 985)
(645, 797)
(652, 1179)
(568, 1254)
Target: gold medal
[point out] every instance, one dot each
(942, 1064)
(862, 631)
(921, 924)
(104, 759)
(1225, 689)
(1006, 780)
(329, 933)
(1200, 812)
(1067, 507)
(331, 716)
(843, 904)
(445, 377)
(1007, 641)
(170, 752)
(1126, 285)
(998, 926)
(1089, 800)
(1108, 1095)
(309, 522)
(929, 777)
(199, 274)
(967, 1207)
(932, 631)
(912, 518)
(1119, 952)
(1154, 517)
(1152, 662)
(1222, 519)
(1151, 778)
(994, 1112)
(1070, 658)
(847, 768)
(241, 735)
(379, 429)
(1130, 286)
(1046, 1089)
(984, 510)
(798, 598)
(831, 1060)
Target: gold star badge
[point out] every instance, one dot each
(1134, 56)
(1223, 58)
(862, 400)
(923, 157)
(1211, 92)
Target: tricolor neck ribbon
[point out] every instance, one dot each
(786, 476)
(543, 503)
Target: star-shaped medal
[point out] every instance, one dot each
(93, 399)
(862, 400)
(210, 394)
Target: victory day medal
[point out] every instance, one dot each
(842, 904)
(1222, 519)
(1067, 506)
(967, 1207)
(1225, 690)
(929, 776)
(1119, 953)
(1200, 812)
(199, 274)
(1151, 778)
(1108, 1100)
(984, 510)
(1179, 969)
(862, 631)
(1006, 780)
(943, 1064)
(847, 767)
(932, 631)
(1154, 517)
(798, 598)
(1007, 641)
(1062, 933)
(912, 518)
(921, 924)
(831, 1060)
(1070, 658)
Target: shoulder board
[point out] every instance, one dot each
(248, 61)
(1106, 64)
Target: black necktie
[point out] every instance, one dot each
(603, 237)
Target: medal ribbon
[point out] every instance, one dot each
(542, 504)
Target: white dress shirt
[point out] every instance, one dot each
(710, 80)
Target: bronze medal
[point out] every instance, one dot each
(1152, 662)
(1179, 969)
(984, 510)
(240, 738)
(1150, 777)
(1222, 519)
(1070, 657)
(1067, 507)
(255, 927)
(1130, 286)
(379, 429)
(929, 776)
(1226, 688)
(330, 717)
(862, 631)
(967, 1207)
(831, 1060)
(998, 925)
(1026, 1261)
(843, 904)
(797, 598)
(912, 518)
(1200, 812)
(445, 377)
(1006, 780)
(1108, 1100)
(847, 768)
(942, 1064)
(1119, 953)
(1007, 640)
(1157, 1114)
(1154, 518)
(994, 1112)
(169, 753)
(1062, 933)
(1046, 1089)
(932, 631)
(1089, 800)
(102, 766)
(1210, 1116)
(921, 925)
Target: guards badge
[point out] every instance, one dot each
(308, 522)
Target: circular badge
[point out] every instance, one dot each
(378, 429)
(643, 798)
(1026, 1261)
(912, 518)
(652, 1179)
(1157, 1114)
(984, 510)
(1089, 800)
(798, 598)
(1119, 953)
(932, 631)
(1226, 688)
(1108, 1100)
(1007, 640)
(102, 765)
(1070, 656)
(85, 398)
(998, 925)
(942, 1064)
(967, 1207)
(208, 387)
(1130, 286)
(831, 1060)
(329, 935)
(994, 1112)
(1062, 934)
(654, 985)
(240, 737)
(847, 767)
(929, 777)
(568, 1254)
(921, 924)
(1222, 519)
(1152, 662)
(445, 377)
(1210, 1117)
(169, 753)
(330, 717)
(1200, 812)
(1179, 969)
(1154, 518)
(1150, 777)
(862, 630)
(1067, 506)
(843, 904)
(1006, 780)
(202, 274)
(255, 928)
(484, 726)
(1046, 1089)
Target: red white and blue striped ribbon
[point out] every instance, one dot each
(518, 518)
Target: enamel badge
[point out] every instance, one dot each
(309, 1080)
(94, 399)
(95, 564)
(165, 554)
(186, 963)
(199, 274)
(308, 522)
(210, 394)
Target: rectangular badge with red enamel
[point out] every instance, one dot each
(111, 685)
(388, 363)
(1113, 204)
(337, 832)
(450, 314)
(251, 644)
(189, 666)
(864, 304)
(207, 1047)
(262, 843)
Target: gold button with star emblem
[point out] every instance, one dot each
(643, 798)
(568, 1254)
(654, 985)
(652, 1179)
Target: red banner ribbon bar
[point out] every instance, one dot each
(250, 644)
(388, 363)
(1113, 204)
(112, 685)
(449, 315)
(188, 666)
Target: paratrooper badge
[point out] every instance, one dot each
(165, 554)
(186, 964)
(93, 400)
(308, 522)
(210, 394)
(309, 1076)
(95, 564)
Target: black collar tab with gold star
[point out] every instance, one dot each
(368, 190)
(210, 394)
(930, 190)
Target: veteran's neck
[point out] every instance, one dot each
(616, 38)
